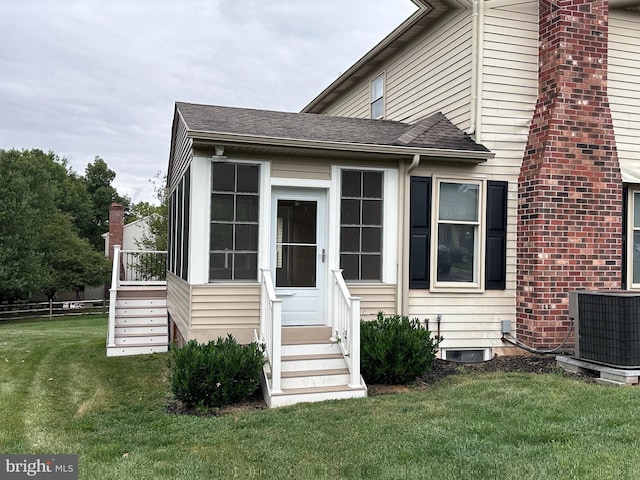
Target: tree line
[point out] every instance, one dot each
(51, 223)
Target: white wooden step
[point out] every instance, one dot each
(141, 302)
(142, 340)
(329, 361)
(123, 350)
(300, 395)
(141, 330)
(314, 378)
(140, 311)
(311, 349)
(130, 320)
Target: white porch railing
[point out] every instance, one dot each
(346, 325)
(271, 329)
(142, 267)
(132, 267)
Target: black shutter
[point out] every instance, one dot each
(496, 241)
(625, 206)
(420, 232)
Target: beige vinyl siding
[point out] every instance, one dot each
(624, 83)
(374, 299)
(467, 320)
(305, 168)
(430, 75)
(510, 85)
(178, 298)
(471, 319)
(217, 310)
(182, 154)
(434, 74)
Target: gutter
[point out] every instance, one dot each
(461, 155)
(477, 70)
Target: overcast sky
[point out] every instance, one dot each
(100, 77)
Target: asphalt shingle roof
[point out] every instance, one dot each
(433, 132)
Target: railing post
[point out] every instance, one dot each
(113, 290)
(355, 342)
(276, 362)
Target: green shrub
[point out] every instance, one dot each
(215, 374)
(395, 350)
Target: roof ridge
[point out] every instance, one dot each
(419, 128)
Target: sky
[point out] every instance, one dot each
(87, 78)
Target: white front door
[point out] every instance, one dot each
(298, 254)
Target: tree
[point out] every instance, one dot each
(46, 211)
(97, 179)
(25, 204)
(70, 261)
(156, 239)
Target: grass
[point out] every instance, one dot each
(59, 394)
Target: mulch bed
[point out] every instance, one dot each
(439, 370)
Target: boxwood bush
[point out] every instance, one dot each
(215, 374)
(395, 350)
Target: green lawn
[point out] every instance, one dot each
(59, 394)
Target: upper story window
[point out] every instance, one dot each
(361, 217)
(377, 97)
(234, 221)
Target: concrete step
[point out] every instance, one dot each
(125, 350)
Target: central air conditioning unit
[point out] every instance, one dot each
(607, 327)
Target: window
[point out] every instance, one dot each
(234, 222)
(361, 216)
(457, 231)
(178, 241)
(377, 97)
(447, 233)
(635, 236)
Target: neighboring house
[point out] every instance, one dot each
(464, 145)
(132, 235)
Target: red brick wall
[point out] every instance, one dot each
(570, 189)
(116, 226)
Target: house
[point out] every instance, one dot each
(129, 236)
(138, 321)
(478, 137)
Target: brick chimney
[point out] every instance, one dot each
(570, 189)
(116, 226)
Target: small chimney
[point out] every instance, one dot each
(116, 226)
(570, 189)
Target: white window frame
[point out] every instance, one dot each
(478, 267)
(389, 222)
(374, 99)
(631, 229)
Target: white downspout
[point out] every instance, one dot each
(404, 274)
(477, 67)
